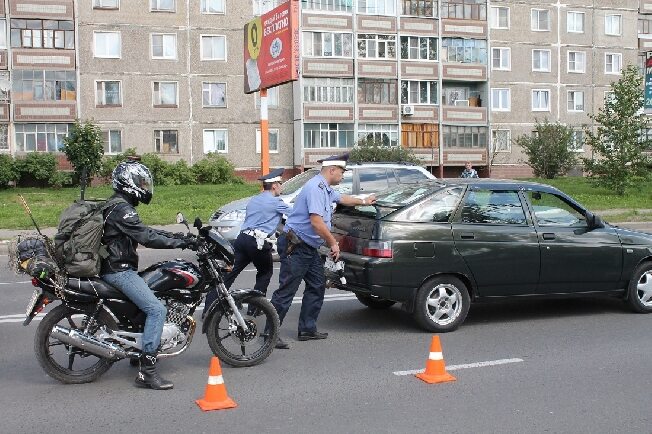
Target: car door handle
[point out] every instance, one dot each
(467, 236)
(548, 236)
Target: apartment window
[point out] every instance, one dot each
(213, 94)
(418, 8)
(112, 141)
(418, 48)
(377, 7)
(327, 44)
(499, 18)
(211, 6)
(464, 9)
(40, 34)
(166, 141)
(376, 46)
(575, 101)
(213, 47)
(540, 21)
(162, 5)
(541, 60)
(328, 5)
(576, 61)
(464, 50)
(541, 100)
(106, 4)
(107, 44)
(384, 134)
(575, 22)
(43, 85)
(328, 136)
(464, 137)
(500, 100)
(4, 137)
(216, 141)
(3, 34)
(263, 6)
(613, 63)
(377, 91)
(328, 90)
(419, 92)
(577, 141)
(609, 96)
(501, 140)
(40, 137)
(164, 46)
(273, 140)
(5, 91)
(645, 26)
(165, 94)
(501, 58)
(107, 93)
(272, 98)
(613, 25)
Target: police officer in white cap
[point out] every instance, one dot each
(306, 229)
(264, 212)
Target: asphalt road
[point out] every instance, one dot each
(585, 369)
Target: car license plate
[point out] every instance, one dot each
(32, 302)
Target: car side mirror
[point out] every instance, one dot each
(198, 223)
(594, 221)
(182, 220)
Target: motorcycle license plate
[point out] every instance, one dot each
(32, 302)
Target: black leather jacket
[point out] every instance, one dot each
(123, 231)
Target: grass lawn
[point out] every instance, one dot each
(193, 200)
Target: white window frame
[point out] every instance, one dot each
(509, 140)
(99, 102)
(572, 146)
(495, 17)
(549, 60)
(226, 140)
(571, 95)
(109, 143)
(262, 6)
(376, 41)
(201, 48)
(118, 56)
(225, 94)
(538, 109)
(386, 3)
(154, 6)
(163, 35)
(607, 25)
(508, 56)
(391, 130)
(3, 34)
(618, 56)
(568, 62)
(608, 95)
(204, 3)
(159, 104)
(573, 29)
(428, 39)
(538, 11)
(508, 100)
(273, 98)
(326, 90)
(259, 140)
(429, 85)
(99, 4)
(310, 44)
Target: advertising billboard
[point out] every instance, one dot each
(271, 48)
(648, 82)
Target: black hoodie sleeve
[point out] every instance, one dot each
(127, 221)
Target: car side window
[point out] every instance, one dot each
(346, 185)
(552, 210)
(493, 206)
(373, 180)
(410, 176)
(437, 208)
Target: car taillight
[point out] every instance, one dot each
(377, 249)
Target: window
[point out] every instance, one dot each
(40, 34)
(464, 9)
(418, 48)
(162, 5)
(216, 141)
(551, 210)
(376, 46)
(328, 90)
(165, 93)
(40, 137)
(419, 92)
(211, 6)
(464, 137)
(575, 101)
(500, 100)
(5, 87)
(493, 207)
(373, 179)
(437, 208)
(419, 8)
(262, 6)
(107, 44)
(499, 17)
(575, 22)
(329, 5)
(609, 96)
(385, 135)
(501, 59)
(540, 21)
(576, 61)
(112, 141)
(577, 142)
(43, 85)
(272, 98)
(213, 47)
(106, 4)
(613, 25)
(3, 34)
(273, 140)
(377, 7)
(4, 137)
(107, 93)
(464, 50)
(502, 140)
(613, 63)
(213, 94)
(377, 91)
(328, 136)
(644, 26)
(541, 60)
(166, 141)
(541, 100)
(164, 46)
(327, 44)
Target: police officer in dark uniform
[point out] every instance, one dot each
(306, 229)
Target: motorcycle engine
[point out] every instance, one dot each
(176, 325)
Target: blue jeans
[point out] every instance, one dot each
(135, 288)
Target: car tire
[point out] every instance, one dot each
(639, 292)
(374, 302)
(442, 304)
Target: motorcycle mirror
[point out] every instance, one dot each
(182, 220)
(198, 223)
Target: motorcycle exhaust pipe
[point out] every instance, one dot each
(88, 343)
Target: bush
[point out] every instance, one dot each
(61, 179)
(549, 149)
(215, 169)
(37, 166)
(8, 170)
(370, 151)
(158, 167)
(180, 173)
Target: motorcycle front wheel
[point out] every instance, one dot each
(237, 347)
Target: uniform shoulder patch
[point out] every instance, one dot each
(322, 186)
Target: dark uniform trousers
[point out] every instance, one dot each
(304, 263)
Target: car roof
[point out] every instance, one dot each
(495, 183)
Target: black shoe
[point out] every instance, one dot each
(281, 345)
(309, 336)
(148, 376)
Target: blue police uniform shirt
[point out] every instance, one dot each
(316, 197)
(264, 212)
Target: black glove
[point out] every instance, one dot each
(179, 235)
(190, 243)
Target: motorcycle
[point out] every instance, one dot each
(96, 325)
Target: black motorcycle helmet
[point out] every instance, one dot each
(134, 180)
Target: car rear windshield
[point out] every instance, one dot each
(392, 200)
(295, 183)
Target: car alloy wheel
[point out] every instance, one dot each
(639, 294)
(442, 304)
(644, 289)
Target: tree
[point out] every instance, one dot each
(370, 150)
(84, 148)
(549, 150)
(618, 161)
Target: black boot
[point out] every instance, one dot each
(148, 376)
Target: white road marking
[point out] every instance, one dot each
(14, 283)
(466, 366)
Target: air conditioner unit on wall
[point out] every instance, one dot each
(462, 102)
(408, 110)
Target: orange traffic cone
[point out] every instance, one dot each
(215, 397)
(435, 366)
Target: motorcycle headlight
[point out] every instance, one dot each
(236, 215)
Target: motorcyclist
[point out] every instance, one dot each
(123, 231)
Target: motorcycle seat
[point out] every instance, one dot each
(94, 286)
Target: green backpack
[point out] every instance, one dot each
(78, 241)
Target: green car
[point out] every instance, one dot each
(438, 245)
